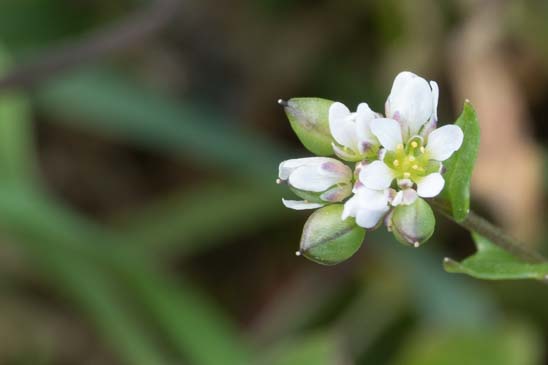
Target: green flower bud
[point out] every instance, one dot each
(413, 224)
(309, 118)
(327, 239)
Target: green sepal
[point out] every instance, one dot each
(309, 118)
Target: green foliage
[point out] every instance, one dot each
(493, 263)
(327, 239)
(309, 118)
(511, 344)
(317, 349)
(461, 165)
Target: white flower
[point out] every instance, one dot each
(413, 102)
(318, 180)
(353, 138)
(413, 162)
(368, 206)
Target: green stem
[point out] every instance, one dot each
(475, 223)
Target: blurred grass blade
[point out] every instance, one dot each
(493, 263)
(508, 344)
(17, 160)
(315, 349)
(76, 278)
(191, 322)
(105, 102)
(183, 223)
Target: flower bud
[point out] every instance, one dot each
(329, 240)
(413, 224)
(317, 179)
(309, 119)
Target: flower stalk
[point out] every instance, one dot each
(476, 223)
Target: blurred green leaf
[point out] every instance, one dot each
(493, 263)
(327, 239)
(108, 103)
(317, 349)
(309, 118)
(514, 344)
(17, 160)
(183, 223)
(461, 165)
(190, 321)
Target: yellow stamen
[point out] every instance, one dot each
(396, 163)
(415, 167)
(406, 175)
(399, 146)
(411, 158)
(414, 144)
(422, 149)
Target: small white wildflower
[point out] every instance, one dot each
(318, 180)
(351, 132)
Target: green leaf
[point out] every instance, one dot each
(461, 165)
(493, 263)
(309, 118)
(327, 239)
(317, 349)
(508, 344)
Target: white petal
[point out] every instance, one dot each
(288, 166)
(366, 138)
(300, 204)
(376, 175)
(336, 169)
(309, 178)
(435, 97)
(443, 141)
(365, 111)
(350, 208)
(398, 199)
(342, 129)
(430, 185)
(409, 196)
(388, 131)
(369, 218)
(411, 100)
(371, 199)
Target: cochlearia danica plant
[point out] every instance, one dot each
(393, 170)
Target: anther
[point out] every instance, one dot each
(416, 244)
(406, 175)
(415, 167)
(414, 144)
(422, 149)
(399, 146)
(396, 163)
(278, 181)
(411, 158)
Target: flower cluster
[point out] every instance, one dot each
(397, 159)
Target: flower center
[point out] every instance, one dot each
(411, 161)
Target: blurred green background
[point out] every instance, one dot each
(139, 218)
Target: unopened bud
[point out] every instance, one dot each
(329, 240)
(309, 118)
(413, 224)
